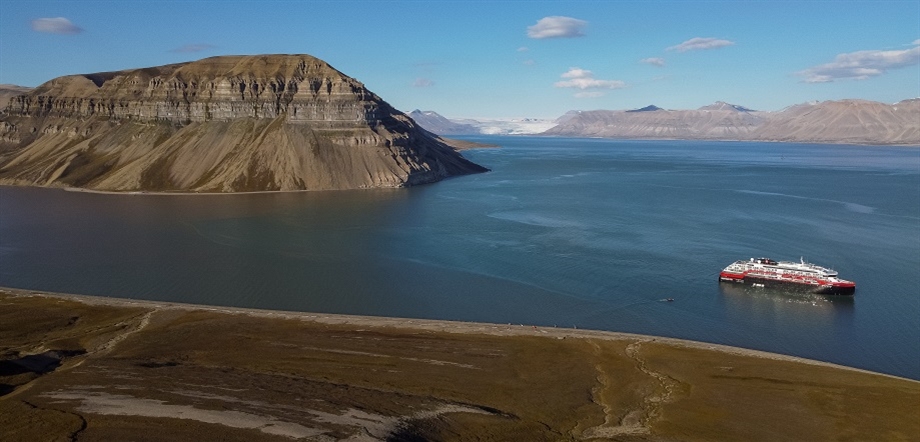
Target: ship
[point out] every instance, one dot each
(800, 276)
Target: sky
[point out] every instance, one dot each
(502, 59)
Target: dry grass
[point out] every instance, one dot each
(155, 372)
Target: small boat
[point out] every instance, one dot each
(765, 272)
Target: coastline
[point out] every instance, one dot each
(437, 325)
(475, 146)
(94, 368)
(186, 193)
(730, 140)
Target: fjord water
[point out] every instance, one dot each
(562, 232)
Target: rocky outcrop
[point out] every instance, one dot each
(8, 91)
(845, 121)
(221, 124)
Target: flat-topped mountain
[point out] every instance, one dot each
(845, 121)
(654, 122)
(221, 124)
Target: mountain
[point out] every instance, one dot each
(434, 122)
(655, 122)
(8, 91)
(567, 116)
(438, 124)
(221, 124)
(845, 121)
(721, 105)
(649, 108)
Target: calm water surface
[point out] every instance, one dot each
(564, 232)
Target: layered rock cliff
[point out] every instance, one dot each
(844, 121)
(8, 91)
(221, 124)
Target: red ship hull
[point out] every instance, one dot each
(818, 287)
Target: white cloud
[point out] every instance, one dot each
(197, 47)
(557, 27)
(523, 49)
(577, 73)
(916, 42)
(861, 65)
(654, 61)
(698, 43)
(529, 62)
(578, 78)
(422, 82)
(56, 25)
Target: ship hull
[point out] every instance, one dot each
(825, 289)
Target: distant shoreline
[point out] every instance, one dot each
(725, 140)
(434, 325)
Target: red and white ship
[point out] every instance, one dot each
(797, 275)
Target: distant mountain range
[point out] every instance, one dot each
(716, 121)
(434, 122)
(845, 121)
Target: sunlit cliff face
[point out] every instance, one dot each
(222, 124)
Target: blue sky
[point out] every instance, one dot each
(503, 58)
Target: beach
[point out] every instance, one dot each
(91, 368)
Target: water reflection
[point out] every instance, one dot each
(220, 249)
(765, 301)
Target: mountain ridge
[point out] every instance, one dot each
(436, 123)
(655, 122)
(850, 121)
